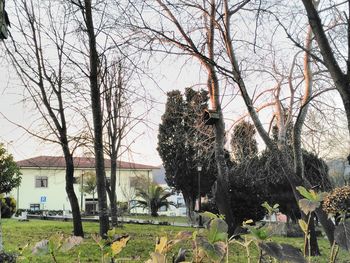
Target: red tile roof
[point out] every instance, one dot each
(79, 162)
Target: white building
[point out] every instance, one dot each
(43, 182)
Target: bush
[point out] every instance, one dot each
(40, 212)
(8, 207)
(8, 257)
(337, 201)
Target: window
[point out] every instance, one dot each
(41, 181)
(180, 202)
(34, 207)
(163, 209)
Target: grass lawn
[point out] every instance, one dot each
(142, 241)
(170, 219)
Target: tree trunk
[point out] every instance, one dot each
(73, 200)
(314, 249)
(112, 193)
(222, 193)
(189, 201)
(97, 121)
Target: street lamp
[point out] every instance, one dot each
(199, 169)
(81, 190)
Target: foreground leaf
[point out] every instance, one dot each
(184, 235)
(303, 225)
(161, 244)
(214, 252)
(217, 230)
(260, 233)
(41, 247)
(118, 246)
(208, 215)
(156, 258)
(342, 235)
(302, 190)
(308, 206)
(283, 252)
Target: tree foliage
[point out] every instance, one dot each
(88, 183)
(247, 192)
(184, 143)
(10, 175)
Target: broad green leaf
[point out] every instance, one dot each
(208, 215)
(308, 206)
(305, 193)
(342, 235)
(266, 206)
(303, 226)
(217, 230)
(118, 246)
(260, 233)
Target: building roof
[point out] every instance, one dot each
(79, 162)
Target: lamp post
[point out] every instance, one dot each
(81, 190)
(199, 169)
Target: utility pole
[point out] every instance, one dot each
(199, 169)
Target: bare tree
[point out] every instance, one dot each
(86, 9)
(119, 99)
(333, 55)
(203, 30)
(37, 54)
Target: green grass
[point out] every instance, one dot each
(142, 241)
(170, 219)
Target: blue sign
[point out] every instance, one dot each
(42, 199)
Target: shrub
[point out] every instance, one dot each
(337, 201)
(40, 212)
(8, 207)
(7, 257)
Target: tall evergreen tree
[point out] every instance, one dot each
(184, 143)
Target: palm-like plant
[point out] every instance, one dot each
(153, 198)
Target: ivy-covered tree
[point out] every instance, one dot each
(258, 178)
(10, 177)
(277, 188)
(243, 144)
(184, 143)
(247, 191)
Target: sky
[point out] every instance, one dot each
(170, 73)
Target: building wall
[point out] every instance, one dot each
(54, 196)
